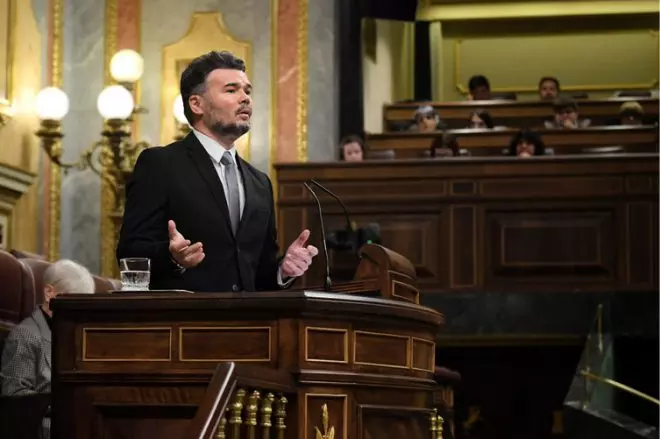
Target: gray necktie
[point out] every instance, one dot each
(233, 202)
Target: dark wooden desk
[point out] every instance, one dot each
(138, 364)
(563, 223)
(493, 142)
(515, 114)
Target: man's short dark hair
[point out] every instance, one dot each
(550, 79)
(478, 81)
(564, 104)
(193, 78)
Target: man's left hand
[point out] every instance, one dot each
(298, 256)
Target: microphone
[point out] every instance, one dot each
(349, 225)
(328, 282)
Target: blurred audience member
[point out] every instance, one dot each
(549, 88)
(526, 143)
(427, 119)
(445, 146)
(481, 119)
(479, 88)
(26, 356)
(566, 115)
(631, 113)
(351, 149)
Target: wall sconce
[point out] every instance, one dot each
(51, 105)
(182, 125)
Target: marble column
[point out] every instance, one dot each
(82, 82)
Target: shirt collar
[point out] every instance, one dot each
(213, 148)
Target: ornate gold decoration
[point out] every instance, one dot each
(325, 420)
(55, 176)
(280, 416)
(235, 411)
(109, 228)
(251, 410)
(301, 99)
(437, 423)
(266, 415)
(207, 32)
(220, 434)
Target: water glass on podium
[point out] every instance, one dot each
(134, 274)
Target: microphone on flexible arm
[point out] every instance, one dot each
(328, 282)
(349, 224)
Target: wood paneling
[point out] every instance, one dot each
(508, 113)
(544, 224)
(334, 349)
(495, 142)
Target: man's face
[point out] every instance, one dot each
(226, 103)
(481, 93)
(566, 118)
(548, 90)
(353, 152)
(525, 149)
(426, 122)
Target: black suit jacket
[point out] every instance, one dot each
(179, 182)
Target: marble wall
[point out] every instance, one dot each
(82, 82)
(322, 116)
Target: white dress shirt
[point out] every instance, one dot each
(215, 151)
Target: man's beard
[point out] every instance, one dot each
(230, 130)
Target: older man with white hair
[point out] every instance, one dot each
(26, 357)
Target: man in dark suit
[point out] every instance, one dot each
(204, 216)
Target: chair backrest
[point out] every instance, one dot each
(17, 299)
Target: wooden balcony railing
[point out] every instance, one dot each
(243, 402)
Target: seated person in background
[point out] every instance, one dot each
(566, 115)
(26, 356)
(427, 119)
(351, 149)
(631, 114)
(549, 88)
(445, 146)
(481, 119)
(479, 88)
(526, 143)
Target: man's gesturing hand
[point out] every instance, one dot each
(298, 256)
(186, 255)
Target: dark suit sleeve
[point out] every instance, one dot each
(269, 262)
(144, 229)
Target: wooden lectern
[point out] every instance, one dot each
(138, 365)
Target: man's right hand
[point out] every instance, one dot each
(186, 255)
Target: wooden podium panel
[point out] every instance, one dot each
(546, 224)
(138, 364)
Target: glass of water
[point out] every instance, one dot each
(134, 274)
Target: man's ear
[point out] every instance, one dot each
(195, 103)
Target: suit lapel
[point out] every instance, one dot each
(205, 167)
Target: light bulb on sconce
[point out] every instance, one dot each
(51, 105)
(126, 67)
(115, 103)
(182, 125)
